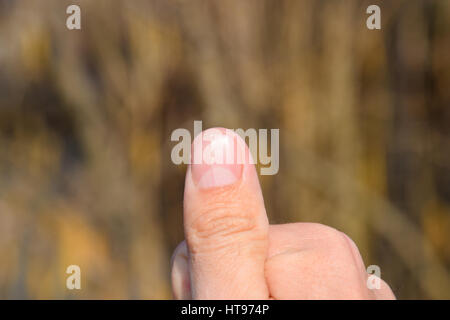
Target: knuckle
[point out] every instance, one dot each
(328, 233)
(336, 241)
(221, 222)
(223, 225)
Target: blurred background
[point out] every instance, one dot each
(86, 116)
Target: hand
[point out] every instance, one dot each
(231, 252)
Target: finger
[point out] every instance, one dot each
(181, 287)
(313, 261)
(225, 220)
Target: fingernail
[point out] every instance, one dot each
(218, 164)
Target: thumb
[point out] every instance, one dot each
(225, 221)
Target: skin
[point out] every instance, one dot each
(231, 251)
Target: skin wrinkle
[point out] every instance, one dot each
(226, 231)
(236, 248)
(286, 251)
(217, 212)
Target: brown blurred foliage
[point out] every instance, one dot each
(86, 117)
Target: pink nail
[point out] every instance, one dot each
(218, 164)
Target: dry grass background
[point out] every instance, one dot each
(86, 117)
